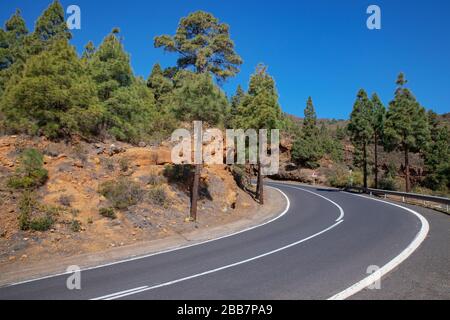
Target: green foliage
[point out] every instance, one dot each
(154, 179)
(306, 151)
(241, 177)
(52, 24)
(196, 97)
(312, 144)
(341, 177)
(260, 108)
(437, 155)
(233, 106)
(108, 213)
(360, 127)
(406, 124)
(54, 97)
(310, 121)
(27, 204)
(124, 164)
(41, 223)
(161, 86)
(12, 53)
(406, 127)
(178, 174)
(30, 173)
(158, 196)
(203, 44)
(122, 193)
(110, 66)
(75, 226)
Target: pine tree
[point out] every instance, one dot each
(11, 48)
(110, 66)
(161, 86)
(360, 127)
(197, 98)
(406, 127)
(260, 110)
(51, 25)
(203, 44)
(54, 97)
(232, 109)
(437, 155)
(310, 120)
(89, 51)
(307, 149)
(378, 120)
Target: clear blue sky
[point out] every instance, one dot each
(320, 48)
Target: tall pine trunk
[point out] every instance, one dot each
(365, 165)
(376, 161)
(260, 186)
(407, 181)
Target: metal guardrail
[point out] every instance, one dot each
(404, 195)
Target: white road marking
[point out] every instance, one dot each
(342, 214)
(405, 254)
(288, 205)
(139, 290)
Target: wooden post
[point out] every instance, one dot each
(194, 192)
(261, 185)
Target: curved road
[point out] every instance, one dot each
(320, 247)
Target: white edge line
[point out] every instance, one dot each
(139, 290)
(288, 205)
(341, 216)
(405, 254)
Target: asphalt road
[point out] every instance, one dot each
(320, 246)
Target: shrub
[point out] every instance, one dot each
(108, 213)
(158, 196)
(42, 223)
(178, 173)
(122, 193)
(30, 173)
(75, 226)
(240, 176)
(65, 200)
(387, 183)
(154, 179)
(109, 164)
(26, 205)
(124, 164)
(340, 178)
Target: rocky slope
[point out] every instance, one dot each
(77, 170)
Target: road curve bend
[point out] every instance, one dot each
(325, 245)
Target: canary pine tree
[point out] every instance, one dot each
(307, 149)
(360, 127)
(378, 119)
(203, 44)
(406, 127)
(260, 110)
